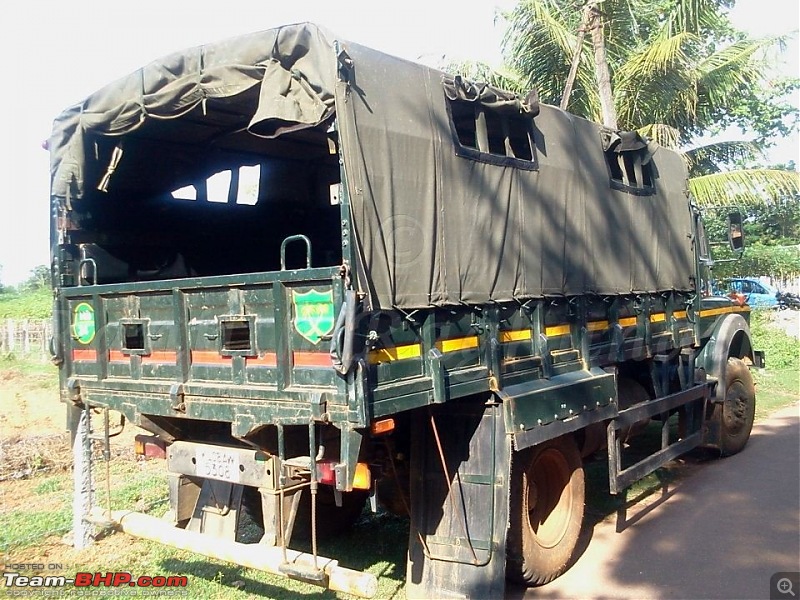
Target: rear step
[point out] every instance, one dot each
(692, 401)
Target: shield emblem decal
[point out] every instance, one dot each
(313, 314)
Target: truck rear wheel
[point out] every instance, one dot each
(546, 511)
(331, 519)
(737, 412)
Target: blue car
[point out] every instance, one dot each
(756, 293)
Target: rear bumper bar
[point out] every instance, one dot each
(272, 559)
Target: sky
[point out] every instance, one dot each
(54, 53)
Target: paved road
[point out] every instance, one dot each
(721, 532)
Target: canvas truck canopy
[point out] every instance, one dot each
(260, 85)
(462, 193)
(459, 193)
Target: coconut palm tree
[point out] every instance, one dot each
(678, 71)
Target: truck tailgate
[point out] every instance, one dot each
(261, 337)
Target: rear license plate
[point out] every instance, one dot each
(217, 464)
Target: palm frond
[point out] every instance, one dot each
(504, 78)
(731, 72)
(679, 69)
(658, 57)
(754, 187)
(711, 158)
(540, 42)
(658, 84)
(664, 135)
(695, 16)
(534, 26)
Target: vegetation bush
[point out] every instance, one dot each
(30, 304)
(781, 349)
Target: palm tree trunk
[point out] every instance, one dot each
(601, 67)
(576, 59)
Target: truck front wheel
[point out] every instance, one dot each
(737, 412)
(546, 511)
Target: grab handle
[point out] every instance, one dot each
(295, 238)
(89, 262)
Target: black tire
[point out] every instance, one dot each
(546, 511)
(251, 520)
(630, 393)
(331, 519)
(737, 412)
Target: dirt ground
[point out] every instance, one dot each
(29, 403)
(34, 447)
(33, 434)
(789, 321)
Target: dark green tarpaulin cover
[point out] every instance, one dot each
(432, 227)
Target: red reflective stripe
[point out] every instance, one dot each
(84, 355)
(311, 359)
(117, 356)
(207, 357)
(160, 357)
(210, 357)
(269, 359)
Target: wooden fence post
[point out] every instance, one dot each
(29, 337)
(11, 334)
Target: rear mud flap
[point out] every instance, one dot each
(458, 528)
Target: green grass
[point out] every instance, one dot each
(131, 486)
(377, 542)
(24, 527)
(38, 372)
(781, 349)
(50, 484)
(779, 384)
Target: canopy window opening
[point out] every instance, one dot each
(489, 125)
(629, 162)
(169, 209)
(482, 129)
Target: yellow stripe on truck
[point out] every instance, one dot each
(597, 325)
(555, 330)
(519, 335)
(454, 345)
(713, 312)
(381, 355)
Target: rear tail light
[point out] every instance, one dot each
(326, 474)
(149, 446)
(363, 478)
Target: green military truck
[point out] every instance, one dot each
(320, 275)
